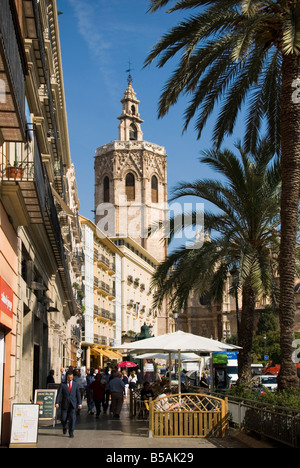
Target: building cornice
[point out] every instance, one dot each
(131, 146)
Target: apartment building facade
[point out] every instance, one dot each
(37, 226)
(138, 266)
(102, 296)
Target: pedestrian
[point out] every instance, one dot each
(50, 378)
(70, 400)
(158, 376)
(63, 375)
(81, 381)
(90, 378)
(203, 381)
(106, 376)
(139, 378)
(116, 387)
(97, 394)
(125, 380)
(132, 380)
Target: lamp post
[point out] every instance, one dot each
(175, 317)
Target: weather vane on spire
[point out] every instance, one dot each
(129, 79)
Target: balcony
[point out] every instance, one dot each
(101, 340)
(35, 48)
(27, 197)
(13, 69)
(104, 314)
(104, 289)
(77, 260)
(103, 262)
(23, 183)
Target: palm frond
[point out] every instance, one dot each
(244, 234)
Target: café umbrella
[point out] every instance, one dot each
(127, 364)
(178, 342)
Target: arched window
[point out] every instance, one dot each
(154, 189)
(133, 110)
(106, 190)
(130, 187)
(133, 132)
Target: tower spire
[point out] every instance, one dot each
(129, 79)
(130, 120)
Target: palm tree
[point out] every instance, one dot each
(233, 52)
(244, 239)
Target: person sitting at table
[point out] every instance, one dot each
(163, 404)
(147, 392)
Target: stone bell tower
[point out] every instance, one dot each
(131, 182)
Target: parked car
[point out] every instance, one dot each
(265, 381)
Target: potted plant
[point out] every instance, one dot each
(130, 279)
(16, 171)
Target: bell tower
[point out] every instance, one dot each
(131, 182)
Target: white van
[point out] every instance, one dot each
(233, 371)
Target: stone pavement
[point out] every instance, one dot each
(126, 433)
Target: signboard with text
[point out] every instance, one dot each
(6, 303)
(46, 400)
(25, 424)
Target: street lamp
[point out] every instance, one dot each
(175, 317)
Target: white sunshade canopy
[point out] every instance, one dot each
(165, 356)
(178, 341)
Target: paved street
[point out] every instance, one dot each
(125, 433)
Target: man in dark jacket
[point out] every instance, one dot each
(70, 399)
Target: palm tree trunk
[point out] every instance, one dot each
(290, 134)
(246, 333)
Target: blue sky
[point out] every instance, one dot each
(97, 39)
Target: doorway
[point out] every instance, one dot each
(2, 359)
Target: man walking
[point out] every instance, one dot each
(70, 399)
(117, 388)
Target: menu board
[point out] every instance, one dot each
(46, 400)
(25, 424)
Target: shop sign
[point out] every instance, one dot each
(6, 299)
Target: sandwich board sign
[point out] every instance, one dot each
(25, 425)
(46, 400)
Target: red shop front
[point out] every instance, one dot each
(6, 326)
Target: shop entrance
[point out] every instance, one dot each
(2, 355)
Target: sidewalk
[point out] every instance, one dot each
(125, 433)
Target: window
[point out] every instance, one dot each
(106, 190)
(154, 189)
(130, 187)
(133, 110)
(133, 132)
